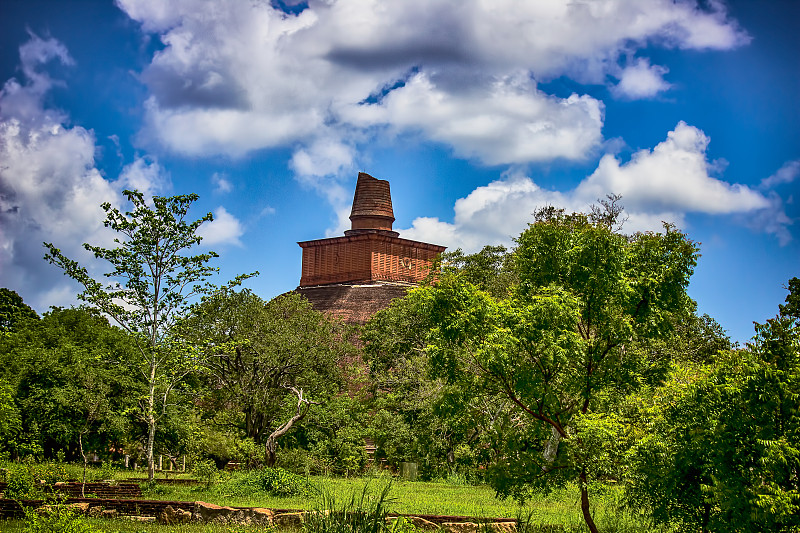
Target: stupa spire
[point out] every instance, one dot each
(372, 207)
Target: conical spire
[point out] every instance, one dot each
(372, 206)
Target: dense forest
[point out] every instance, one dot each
(575, 357)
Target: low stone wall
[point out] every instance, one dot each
(173, 512)
(12, 508)
(99, 489)
(165, 481)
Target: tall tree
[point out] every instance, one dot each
(723, 453)
(153, 283)
(13, 310)
(69, 392)
(270, 361)
(417, 417)
(791, 308)
(558, 346)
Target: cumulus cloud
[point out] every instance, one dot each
(50, 187)
(641, 80)
(222, 185)
(145, 175)
(323, 157)
(676, 173)
(667, 183)
(786, 174)
(241, 76)
(509, 121)
(224, 229)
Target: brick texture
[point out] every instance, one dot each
(366, 258)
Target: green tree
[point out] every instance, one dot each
(153, 284)
(418, 417)
(791, 308)
(13, 310)
(10, 423)
(558, 347)
(491, 269)
(65, 384)
(720, 453)
(269, 361)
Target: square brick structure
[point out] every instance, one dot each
(354, 276)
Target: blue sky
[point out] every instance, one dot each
(476, 112)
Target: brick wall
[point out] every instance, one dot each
(364, 258)
(12, 508)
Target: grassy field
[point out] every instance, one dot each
(407, 498)
(560, 508)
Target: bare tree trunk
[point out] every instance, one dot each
(551, 449)
(151, 427)
(303, 405)
(587, 514)
(269, 452)
(85, 462)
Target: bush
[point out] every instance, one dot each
(27, 480)
(21, 485)
(205, 471)
(296, 460)
(279, 482)
(55, 519)
(274, 481)
(105, 472)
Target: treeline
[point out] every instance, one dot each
(575, 358)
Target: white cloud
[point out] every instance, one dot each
(323, 158)
(509, 121)
(222, 185)
(235, 77)
(50, 188)
(786, 174)
(144, 175)
(674, 174)
(224, 229)
(666, 183)
(641, 80)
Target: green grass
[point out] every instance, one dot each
(407, 497)
(560, 508)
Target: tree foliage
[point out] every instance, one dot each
(269, 361)
(13, 310)
(153, 283)
(723, 453)
(560, 344)
(419, 417)
(65, 385)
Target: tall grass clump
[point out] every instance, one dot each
(361, 512)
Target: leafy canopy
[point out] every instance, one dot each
(561, 343)
(153, 283)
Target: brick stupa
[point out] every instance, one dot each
(355, 276)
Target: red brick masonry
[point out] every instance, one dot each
(365, 258)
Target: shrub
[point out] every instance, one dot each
(279, 482)
(56, 519)
(274, 481)
(105, 472)
(27, 480)
(21, 485)
(205, 471)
